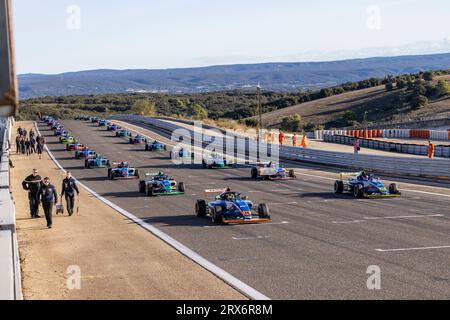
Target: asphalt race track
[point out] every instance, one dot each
(318, 246)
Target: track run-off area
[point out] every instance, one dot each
(318, 246)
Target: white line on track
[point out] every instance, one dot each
(254, 225)
(252, 238)
(413, 249)
(365, 219)
(281, 203)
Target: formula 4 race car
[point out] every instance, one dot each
(362, 185)
(123, 171)
(231, 208)
(155, 146)
(60, 132)
(138, 139)
(181, 154)
(97, 162)
(123, 133)
(213, 161)
(159, 184)
(103, 123)
(270, 171)
(85, 154)
(66, 139)
(113, 127)
(75, 147)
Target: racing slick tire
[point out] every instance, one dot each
(216, 215)
(339, 187)
(109, 173)
(141, 186)
(131, 141)
(181, 187)
(292, 174)
(263, 211)
(136, 173)
(146, 147)
(358, 191)
(200, 208)
(204, 164)
(85, 163)
(393, 189)
(149, 192)
(117, 134)
(254, 173)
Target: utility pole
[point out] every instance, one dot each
(258, 90)
(365, 121)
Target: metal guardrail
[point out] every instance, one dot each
(425, 167)
(416, 149)
(10, 278)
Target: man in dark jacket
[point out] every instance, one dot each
(49, 198)
(69, 187)
(33, 184)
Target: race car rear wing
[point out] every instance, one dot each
(215, 191)
(154, 174)
(347, 174)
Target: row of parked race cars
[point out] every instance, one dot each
(227, 206)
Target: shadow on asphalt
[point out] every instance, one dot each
(324, 195)
(93, 179)
(177, 221)
(127, 194)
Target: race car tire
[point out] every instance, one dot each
(146, 147)
(136, 173)
(200, 208)
(89, 165)
(181, 187)
(85, 163)
(141, 186)
(117, 134)
(339, 187)
(393, 189)
(204, 164)
(216, 215)
(263, 211)
(165, 148)
(254, 173)
(131, 141)
(149, 191)
(358, 191)
(292, 174)
(109, 173)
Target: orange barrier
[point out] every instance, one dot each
(420, 134)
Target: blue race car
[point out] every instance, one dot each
(61, 132)
(181, 154)
(113, 127)
(160, 184)
(155, 146)
(231, 208)
(122, 172)
(102, 123)
(123, 133)
(85, 154)
(138, 139)
(97, 162)
(362, 185)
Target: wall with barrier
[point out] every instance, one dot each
(386, 133)
(440, 151)
(10, 279)
(439, 167)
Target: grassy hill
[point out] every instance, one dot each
(349, 109)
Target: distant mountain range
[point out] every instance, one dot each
(272, 76)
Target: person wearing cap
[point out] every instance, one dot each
(33, 184)
(49, 198)
(69, 187)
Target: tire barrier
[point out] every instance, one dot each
(386, 133)
(415, 149)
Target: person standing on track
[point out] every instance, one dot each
(49, 198)
(69, 187)
(33, 184)
(431, 150)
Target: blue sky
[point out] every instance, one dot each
(173, 33)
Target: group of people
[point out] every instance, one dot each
(27, 143)
(42, 191)
(271, 138)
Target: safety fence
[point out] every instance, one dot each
(386, 133)
(416, 149)
(390, 165)
(10, 279)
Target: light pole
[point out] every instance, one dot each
(258, 90)
(365, 120)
